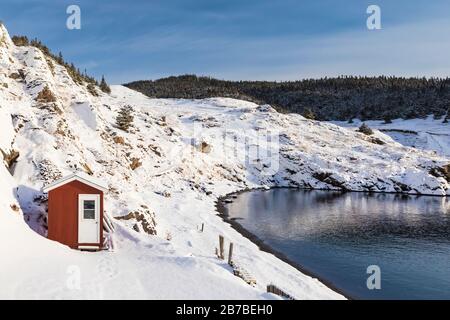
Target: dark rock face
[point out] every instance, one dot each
(328, 178)
(401, 187)
(443, 172)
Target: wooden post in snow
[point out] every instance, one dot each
(275, 290)
(221, 244)
(230, 254)
(203, 226)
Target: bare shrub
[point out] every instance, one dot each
(46, 95)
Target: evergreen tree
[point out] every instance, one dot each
(125, 118)
(104, 86)
(308, 114)
(20, 41)
(60, 58)
(364, 128)
(91, 88)
(387, 119)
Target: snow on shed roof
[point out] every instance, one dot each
(79, 176)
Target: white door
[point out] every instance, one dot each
(88, 218)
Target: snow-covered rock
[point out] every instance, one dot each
(249, 146)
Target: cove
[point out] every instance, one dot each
(336, 236)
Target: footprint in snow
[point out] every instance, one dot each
(41, 289)
(108, 267)
(92, 290)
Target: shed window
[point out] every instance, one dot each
(89, 209)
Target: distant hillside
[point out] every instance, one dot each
(339, 98)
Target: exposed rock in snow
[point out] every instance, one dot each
(247, 146)
(141, 219)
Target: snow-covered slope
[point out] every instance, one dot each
(171, 167)
(427, 134)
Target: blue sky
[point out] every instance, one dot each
(240, 39)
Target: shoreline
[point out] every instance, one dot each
(221, 203)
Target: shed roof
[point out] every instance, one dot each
(78, 176)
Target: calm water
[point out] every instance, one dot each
(338, 235)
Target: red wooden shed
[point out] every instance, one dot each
(75, 211)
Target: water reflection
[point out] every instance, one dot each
(333, 233)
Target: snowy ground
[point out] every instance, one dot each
(191, 153)
(426, 134)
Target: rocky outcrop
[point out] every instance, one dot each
(141, 220)
(443, 172)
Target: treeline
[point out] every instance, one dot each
(75, 73)
(341, 98)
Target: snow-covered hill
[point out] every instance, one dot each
(170, 168)
(427, 134)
